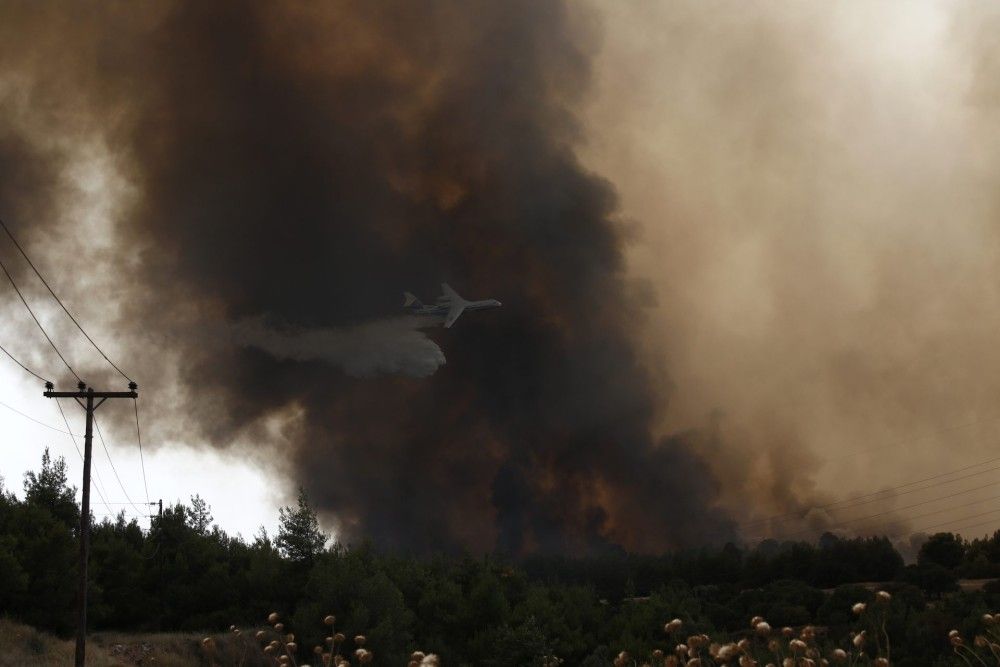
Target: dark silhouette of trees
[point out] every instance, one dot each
(186, 573)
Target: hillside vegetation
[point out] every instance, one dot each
(188, 576)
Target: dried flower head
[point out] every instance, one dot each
(208, 644)
(988, 619)
(330, 620)
(673, 626)
(273, 617)
(763, 629)
(755, 620)
(859, 608)
(883, 597)
(360, 640)
(839, 655)
(859, 639)
(787, 632)
(881, 662)
(727, 652)
(279, 627)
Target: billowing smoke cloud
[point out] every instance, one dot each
(304, 163)
(817, 186)
(392, 346)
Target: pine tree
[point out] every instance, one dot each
(299, 537)
(199, 515)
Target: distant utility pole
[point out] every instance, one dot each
(85, 397)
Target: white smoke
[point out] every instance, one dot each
(393, 346)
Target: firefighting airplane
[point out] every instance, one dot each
(449, 305)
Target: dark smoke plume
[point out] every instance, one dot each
(306, 163)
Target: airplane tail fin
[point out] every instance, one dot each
(410, 301)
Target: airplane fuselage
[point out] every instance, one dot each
(442, 309)
(448, 306)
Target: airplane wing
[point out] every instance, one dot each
(450, 294)
(456, 309)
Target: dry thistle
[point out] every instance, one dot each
(330, 620)
(763, 629)
(883, 597)
(839, 655)
(360, 640)
(273, 617)
(673, 626)
(859, 608)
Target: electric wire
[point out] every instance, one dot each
(96, 481)
(61, 305)
(950, 523)
(851, 502)
(25, 368)
(40, 327)
(142, 461)
(845, 522)
(37, 421)
(113, 469)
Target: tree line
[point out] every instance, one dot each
(187, 574)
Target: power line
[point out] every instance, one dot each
(841, 524)
(113, 469)
(863, 497)
(138, 435)
(16, 361)
(949, 523)
(37, 421)
(97, 476)
(40, 327)
(61, 305)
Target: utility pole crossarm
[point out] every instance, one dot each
(95, 394)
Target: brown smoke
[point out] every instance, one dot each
(303, 164)
(817, 190)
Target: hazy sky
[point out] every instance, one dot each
(809, 197)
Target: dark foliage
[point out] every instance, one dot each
(187, 574)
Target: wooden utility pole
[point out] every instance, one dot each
(85, 397)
